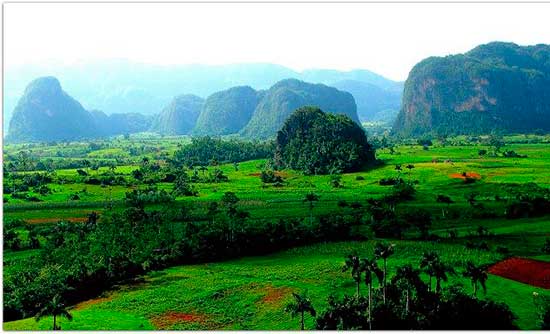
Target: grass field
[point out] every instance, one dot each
(250, 293)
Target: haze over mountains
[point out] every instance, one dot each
(120, 86)
(494, 87)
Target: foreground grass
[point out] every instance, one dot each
(250, 293)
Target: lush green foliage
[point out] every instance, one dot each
(179, 117)
(279, 101)
(319, 143)
(494, 87)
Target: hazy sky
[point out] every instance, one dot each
(386, 38)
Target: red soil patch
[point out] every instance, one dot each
(528, 271)
(466, 175)
(91, 302)
(55, 219)
(281, 174)
(275, 295)
(169, 319)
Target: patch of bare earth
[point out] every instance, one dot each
(88, 303)
(466, 175)
(170, 319)
(273, 295)
(528, 271)
(53, 220)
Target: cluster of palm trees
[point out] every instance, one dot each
(408, 279)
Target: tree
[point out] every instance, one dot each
(408, 279)
(427, 263)
(311, 198)
(477, 275)
(384, 251)
(370, 267)
(354, 265)
(440, 271)
(300, 306)
(55, 308)
(410, 167)
(546, 246)
(398, 169)
(445, 200)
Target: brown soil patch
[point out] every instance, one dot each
(275, 295)
(528, 271)
(277, 173)
(55, 219)
(91, 302)
(466, 175)
(169, 319)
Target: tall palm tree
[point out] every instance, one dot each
(311, 198)
(384, 251)
(301, 305)
(440, 271)
(370, 267)
(427, 263)
(477, 275)
(353, 263)
(55, 308)
(410, 168)
(398, 169)
(409, 279)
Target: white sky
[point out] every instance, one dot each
(385, 38)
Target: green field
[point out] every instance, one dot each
(251, 292)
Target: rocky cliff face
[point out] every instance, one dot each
(497, 86)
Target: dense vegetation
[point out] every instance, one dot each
(179, 117)
(45, 113)
(227, 112)
(279, 101)
(319, 143)
(494, 87)
(205, 151)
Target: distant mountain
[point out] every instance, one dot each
(126, 123)
(119, 86)
(496, 86)
(226, 112)
(46, 113)
(374, 103)
(288, 95)
(179, 117)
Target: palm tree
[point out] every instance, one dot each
(428, 263)
(446, 200)
(410, 168)
(440, 271)
(353, 263)
(56, 309)
(477, 275)
(301, 305)
(311, 198)
(408, 278)
(383, 251)
(371, 267)
(398, 169)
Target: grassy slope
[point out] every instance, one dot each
(250, 293)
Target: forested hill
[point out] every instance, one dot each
(288, 95)
(179, 117)
(47, 113)
(227, 112)
(494, 87)
(119, 86)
